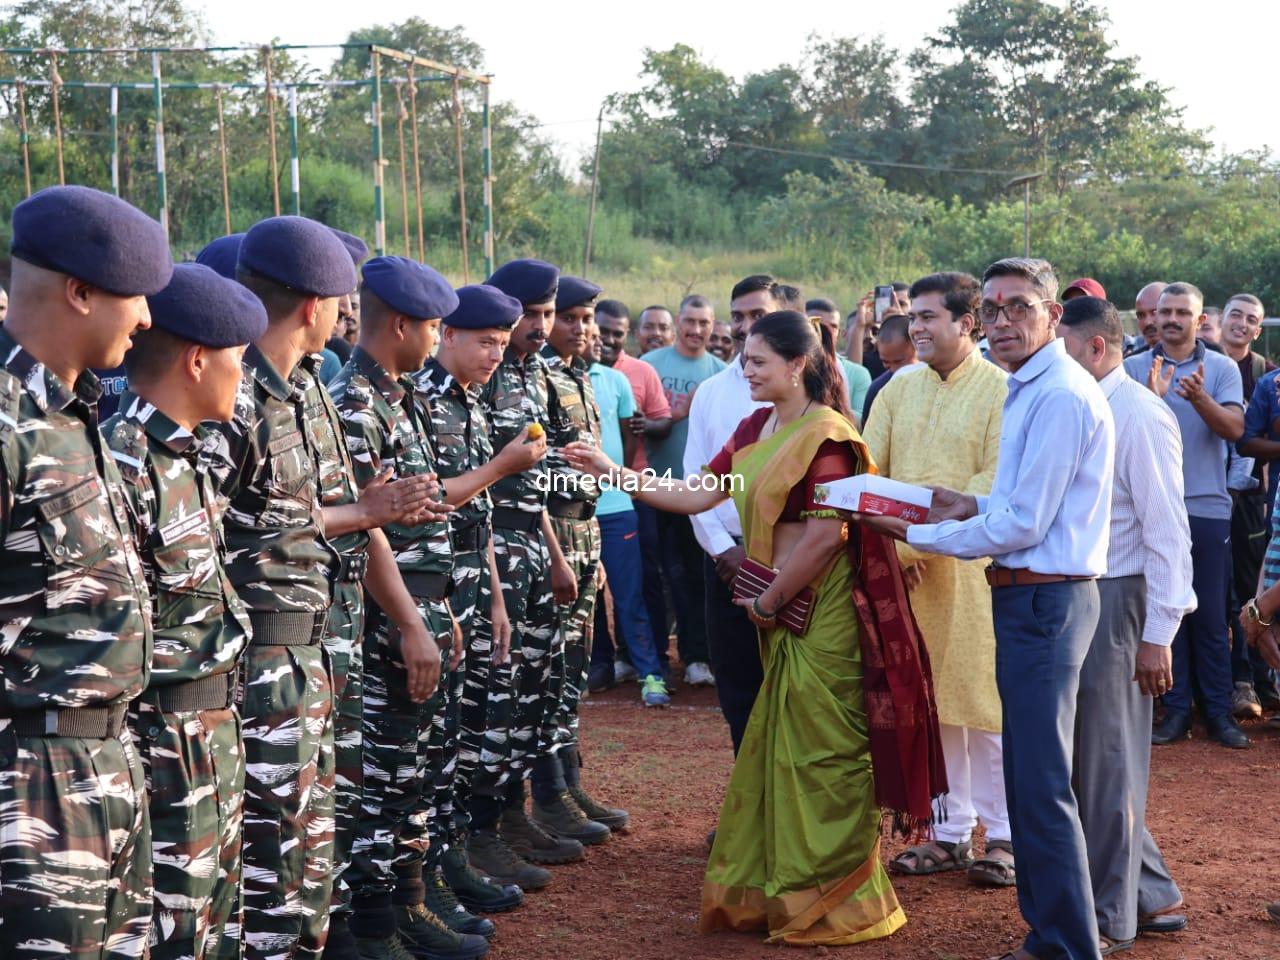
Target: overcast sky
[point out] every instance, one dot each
(557, 59)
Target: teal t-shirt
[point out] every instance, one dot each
(616, 403)
(858, 379)
(680, 375)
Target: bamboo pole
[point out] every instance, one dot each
(23, 137)
(404, 181)
(271, 133)
(462, 180)
(295, 173)
(486, 157)
(115, 140)
(417, 167)
(222, 155)
(162, 186)
(55, 83)
(379, 206)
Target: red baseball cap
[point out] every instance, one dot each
(1085, 286)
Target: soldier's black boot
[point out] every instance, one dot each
(478, 894)
(614, 818)
(490, 855)
(341, 943)
(562, 817)
(530, 840)
(441, 901)
(427, 937)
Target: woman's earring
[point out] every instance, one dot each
(795, 379)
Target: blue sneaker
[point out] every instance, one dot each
(653, 691)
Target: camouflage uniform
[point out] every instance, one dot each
(282, 567)
(75, 849)
(185, 725)
(522, 698)
(461, 436)
(574, 416)
(404, 746)
(345, 630)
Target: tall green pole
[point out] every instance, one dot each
(115, 140)
(160, 180)
(379, 212)
(293, 151)
(486, 161)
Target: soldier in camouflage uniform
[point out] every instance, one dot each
(474, 339)
(406, 739)
(185, 370)
(523, 697)
(559, 801)
(75, 852)
(282, 566)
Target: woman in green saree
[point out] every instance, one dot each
(797, 848)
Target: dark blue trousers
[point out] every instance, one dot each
(734, 647)
(620, 553)
(1202, 646)
(1042, 636)
(655, 602)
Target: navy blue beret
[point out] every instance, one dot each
(482, 307)
(221, 255)
(205, 307)
(298, 253)
(355, 246)
(529, 281)
(574, 292)
(409, 287)
(94, 237)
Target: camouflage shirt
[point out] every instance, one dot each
(461, 434)
(333, 461)
(200, 624)
(383, 429)
(516, 395)
(574, 416)
(277, 556)
(75, 617)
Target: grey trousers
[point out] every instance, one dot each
(1112, 763)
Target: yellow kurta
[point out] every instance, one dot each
(925, 430)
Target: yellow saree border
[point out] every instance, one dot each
(824, 914)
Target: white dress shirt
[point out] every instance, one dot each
(720, 403)
(1050, 506)
(1149, 531)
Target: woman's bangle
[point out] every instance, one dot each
(760, 617)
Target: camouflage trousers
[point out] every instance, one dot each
(194, 770)
(343, 641)
(472, 601)
(286, 709)
(75, 849)
(524, 693)
(580, 543)
(402, 750)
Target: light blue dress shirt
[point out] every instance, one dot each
(1050, 506)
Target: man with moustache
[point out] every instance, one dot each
(76, 847)
(655, 329)
(683, 366)
(523, 697)
(718, 407)
(1144, 311)
(721, 342)
(652, 421)
(1203, 389)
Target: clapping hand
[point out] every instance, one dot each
(1157, 384)
(1191, 387)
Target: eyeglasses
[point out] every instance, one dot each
(1015, 310)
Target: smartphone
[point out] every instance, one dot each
(884, 299)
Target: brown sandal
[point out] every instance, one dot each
(991, 871)
(1107, 946)
(937, 856)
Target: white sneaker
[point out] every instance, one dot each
(699, 675)
(623, 671)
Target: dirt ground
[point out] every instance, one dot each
(636, 897)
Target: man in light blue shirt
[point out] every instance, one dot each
(1046, 525)
(1203, 389)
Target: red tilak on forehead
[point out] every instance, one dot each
(999, 297)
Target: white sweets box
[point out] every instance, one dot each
(868, 493)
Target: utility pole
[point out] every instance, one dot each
(595, 185)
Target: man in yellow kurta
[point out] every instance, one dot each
(940, 424)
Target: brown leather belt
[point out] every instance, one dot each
(1021, 577)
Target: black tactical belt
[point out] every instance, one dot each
(468, 539)
(428, 586)
(293, 628)
(572, 509)
(88, 723)
(507, 518)
(207, 693)
(352, 566)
